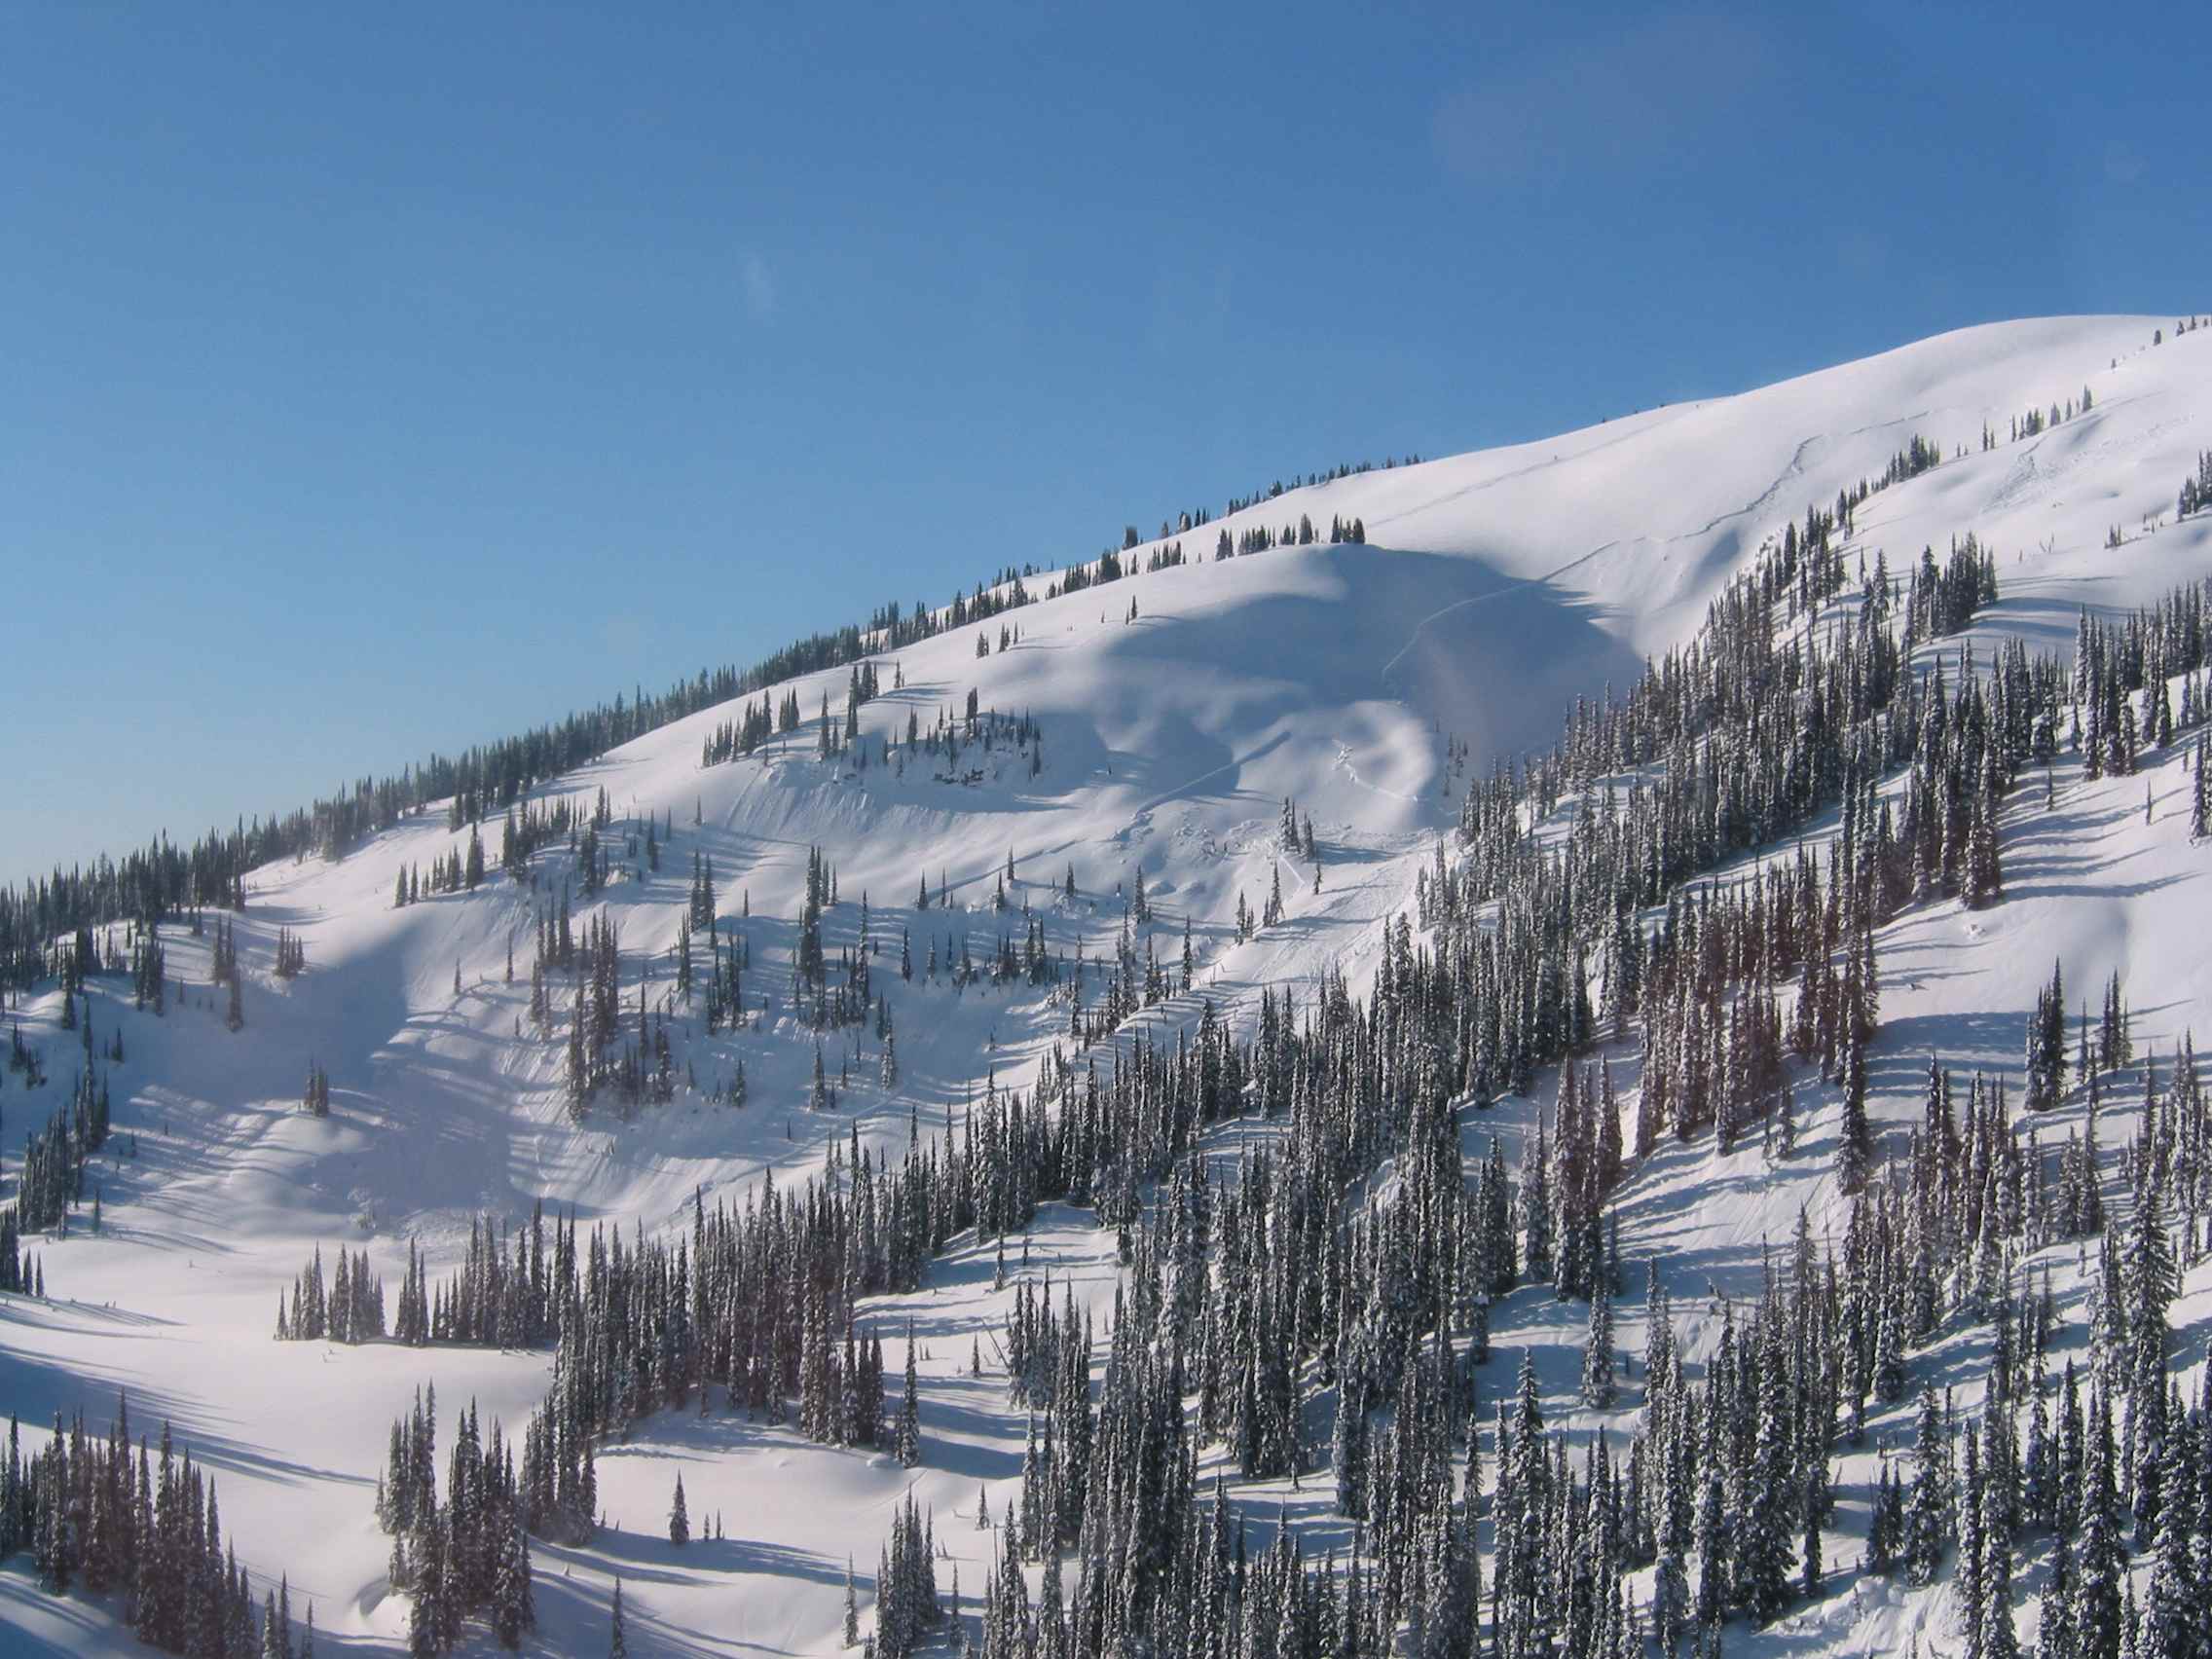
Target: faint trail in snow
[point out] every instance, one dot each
(1142, 817)
(1344, 764)
(1795, 469)
(1498, 592)
(1506, 477)
(1894, 421)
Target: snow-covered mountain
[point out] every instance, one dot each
(1173, 713)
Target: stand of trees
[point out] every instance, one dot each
(464, 1555)
(348, 1310)
(146, 1529)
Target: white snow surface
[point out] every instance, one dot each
(1496, 588)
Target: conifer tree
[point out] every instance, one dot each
(514, 1604)
(909, 1411)
(1855, 1153)
(1598, 1352)
(1929, 1511)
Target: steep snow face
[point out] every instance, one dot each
(1645, 517)
(1495, 589)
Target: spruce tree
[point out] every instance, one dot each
(910, 1411)
(1928, 1512)
(1855, 1153)
(1598, 1352)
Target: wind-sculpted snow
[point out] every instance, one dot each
(1495, 589)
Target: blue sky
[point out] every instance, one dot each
(378, 382)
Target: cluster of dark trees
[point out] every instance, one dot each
(448, 874)
(20, 1272)
(726, 966)
(2035, 422)
(149, 971)
(464, 1555)
(530, 826)
(144, 1529)
(1111, 567)
(222, 969)
(74, 958)
(1238, 504)
(2110, 724)
(644, 1069)
(1130, 979)
(827, 1000)
(2047, 1064)
(2197, 491)
(502, 1294)
(842, 739)
(1943, 599)
(350, 1308)
(762, 1301)
(52, 1180)
(24, 1058)
(1260, 538)
(291, 954)
(315, 1098)
(1909, 462)
(907, 1606)
(733, 739)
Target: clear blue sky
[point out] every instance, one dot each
(381, 382)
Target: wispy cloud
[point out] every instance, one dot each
(1648, 96)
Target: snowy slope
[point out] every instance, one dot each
(1496, 588)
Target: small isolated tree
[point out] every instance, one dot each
(616, 1646)
(679, 1518)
